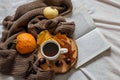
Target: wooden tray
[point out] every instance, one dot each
(50, 65)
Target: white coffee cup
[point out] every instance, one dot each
(51, 49)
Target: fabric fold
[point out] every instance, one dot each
(7, 58)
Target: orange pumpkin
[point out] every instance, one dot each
(25, 43)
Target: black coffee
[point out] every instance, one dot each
(50, 49)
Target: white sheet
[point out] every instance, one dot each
(107, 20)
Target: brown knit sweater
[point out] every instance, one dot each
(29, 18)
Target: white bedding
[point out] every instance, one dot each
(106, 14)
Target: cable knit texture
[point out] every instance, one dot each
(29, 18)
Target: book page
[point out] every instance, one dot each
(89, 46)
(83, 22)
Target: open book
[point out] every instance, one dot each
(89, 40)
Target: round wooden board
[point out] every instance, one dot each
(50, 65)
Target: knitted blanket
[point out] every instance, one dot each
(29, 18)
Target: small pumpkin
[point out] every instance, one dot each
(25, 43)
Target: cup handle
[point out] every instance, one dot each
(63, 50)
